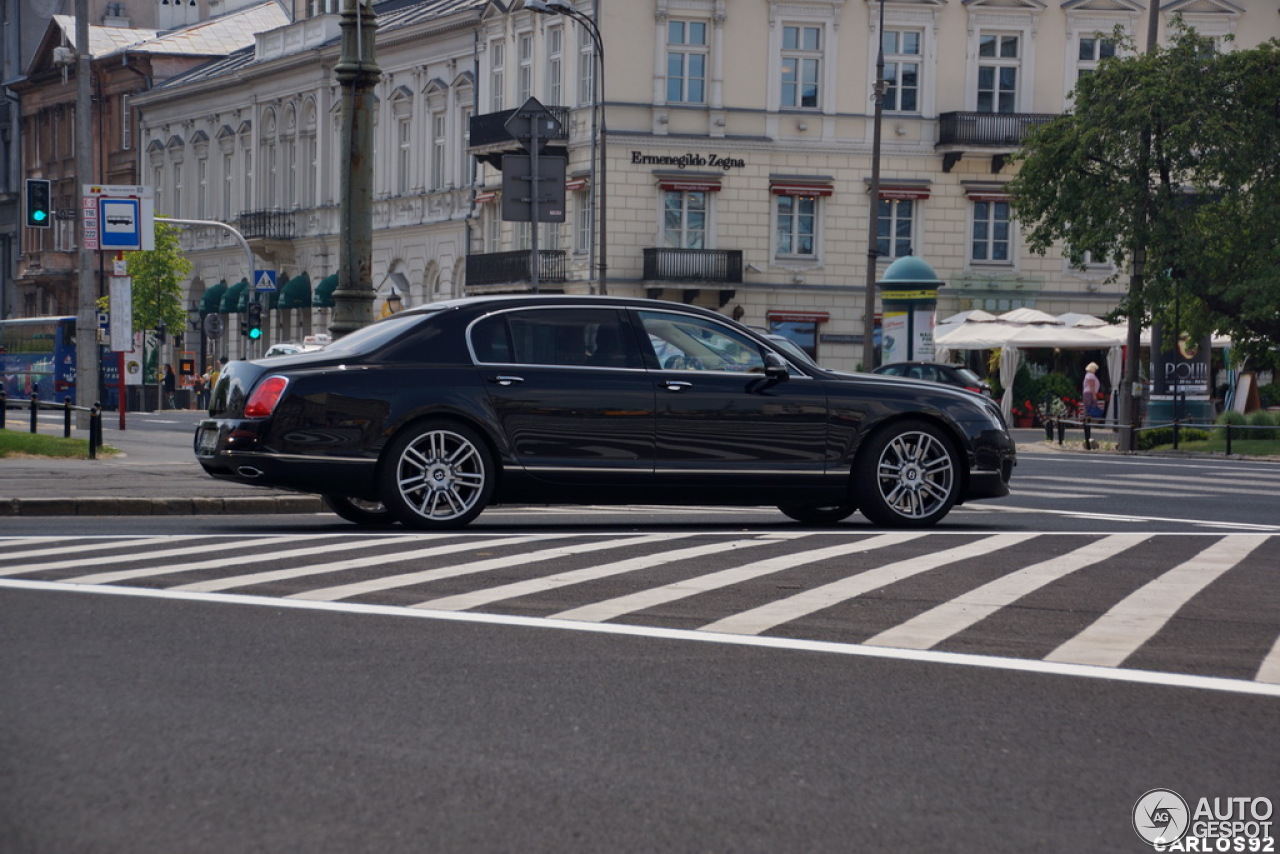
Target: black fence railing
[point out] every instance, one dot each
(498, 268)
(35, 404)
(490, 128)
(693, 265)
(992, 129)
(266, 225)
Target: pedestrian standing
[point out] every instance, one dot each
(170, 388)
(1089, 391)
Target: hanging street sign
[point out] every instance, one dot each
(264, 281)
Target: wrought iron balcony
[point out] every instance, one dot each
(693, 265)
(266, 225)
(992, 130)
(500, 268)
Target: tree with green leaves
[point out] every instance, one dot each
(157, 276)
(1202, 201)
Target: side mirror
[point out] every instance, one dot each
(775, 368)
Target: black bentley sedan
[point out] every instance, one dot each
(432, 414)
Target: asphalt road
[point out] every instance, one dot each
(161, 696)
(135, 725)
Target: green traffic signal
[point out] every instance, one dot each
(254, 333)
(39, 203)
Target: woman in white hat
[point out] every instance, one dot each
(1089, 391)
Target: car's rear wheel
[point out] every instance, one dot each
(359, 511)
(908, 476)
(810, 515)
(437, 475)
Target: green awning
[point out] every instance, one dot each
(297, 293)
(233, 300)
(211, 302)
(324, 292)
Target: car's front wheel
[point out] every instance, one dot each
(810, 515)
(358, 510)
(908, 476)
(437, 475)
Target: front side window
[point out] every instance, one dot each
(801, 67)
(524, 77)
(497, 75)
(991, 232)
(555, 65)
(797, 220)
(404, 150)
(684, 219)
(586, 67)
(998, 65)
(682, 343)
(438, 148)
(902, 70)
(894, 227)
(686, 62)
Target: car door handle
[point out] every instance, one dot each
(676, 385)
(506, 380)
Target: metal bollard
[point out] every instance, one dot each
(1087, 434)
(66, 418)
(1062, 431)
(95, 430)
(4, 406)
(35, 408)
(1228, 438)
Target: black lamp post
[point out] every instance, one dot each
(878, 91)
(599, 133)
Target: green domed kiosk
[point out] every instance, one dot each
(909, 292)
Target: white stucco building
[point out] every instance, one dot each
(738, 151)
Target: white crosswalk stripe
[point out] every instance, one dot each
(1119, 632)
(765, 617)
(715, 575)
(934, 626)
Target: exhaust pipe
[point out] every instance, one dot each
(249, 471)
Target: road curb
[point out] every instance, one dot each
(160, 506)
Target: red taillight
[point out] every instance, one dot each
(265, 397)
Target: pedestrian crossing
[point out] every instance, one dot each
(1201, 604)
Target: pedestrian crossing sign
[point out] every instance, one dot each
(264, 281)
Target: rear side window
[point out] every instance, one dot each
(563, 337)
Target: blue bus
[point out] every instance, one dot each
(38, 354)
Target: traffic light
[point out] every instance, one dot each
(39, 211)
(253, 320)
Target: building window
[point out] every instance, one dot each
(202, 187)
(801, 66)
(583, 200)
(586, 68)
(797, 220)
(524, 75)
(991, 231)
(404, 150)
(684, 219)
(228, 184)
(555, 66)
(902, 70)
(894, 228)
(686, 62)
(468, 166)
(126, 123)
(247, 199)
(998, 65)
(497, 75)
(438, 147)
(177, 189)
(1091, 51)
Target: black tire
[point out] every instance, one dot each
(907, 476)
(437, 475)
(811, 515)
(358, 510)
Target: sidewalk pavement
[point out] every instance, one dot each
(156, 474)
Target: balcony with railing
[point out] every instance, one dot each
(693, 265)
(266, 225)
(514, 268)
(961, 132)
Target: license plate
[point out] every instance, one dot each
(207, 441)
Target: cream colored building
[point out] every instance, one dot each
(738, 149)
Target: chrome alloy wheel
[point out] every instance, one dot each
(916, 475)
(908, 476)
(441, 477)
